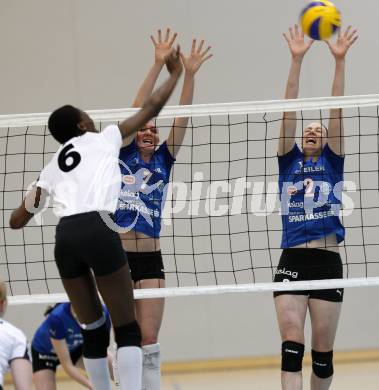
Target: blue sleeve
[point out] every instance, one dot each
(336, 160)
(166, 155)
(56, 327)
(286, 159)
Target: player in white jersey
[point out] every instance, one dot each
(84, 180)
(13, 350)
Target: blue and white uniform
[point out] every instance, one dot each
(60, 324)
(310, 194)
(143, 189)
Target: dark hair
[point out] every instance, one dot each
(63, 123)
(50, 308)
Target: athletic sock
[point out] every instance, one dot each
(98, 372)
(129, 365)
(151, 368)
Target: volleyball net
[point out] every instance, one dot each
(221, 224)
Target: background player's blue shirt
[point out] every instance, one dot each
(310, 194)
(60, 324)
(143, 189)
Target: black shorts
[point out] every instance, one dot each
(145, 265)
(84, 242)
(297, 264)
(50, 361)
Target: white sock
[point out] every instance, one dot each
(151, 370)
(116, 377)
(129, 365)
(98, 372)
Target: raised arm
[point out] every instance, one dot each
(339, 49)
(162, 49)
(156, 101)
(298, 47)
(192, 64)
(61, 349)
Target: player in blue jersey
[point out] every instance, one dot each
(310, 186)
(146, 172)
(59, 341)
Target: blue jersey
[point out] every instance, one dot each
(310, 194)
(60, 324)
(143, 189)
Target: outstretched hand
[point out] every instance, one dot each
(296, 43)
(340, 47)
(173, 62)
(196, 58)
(163, 47)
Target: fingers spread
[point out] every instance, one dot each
(167, 34)
(200, 46)
(153, 40)
(172, 40)
(193, 48)
(205, 51)
(351, 35)
(206, 58)
(286, 37)
(296, 30)
(347, 31)
(291, 33)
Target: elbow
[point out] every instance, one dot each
(14, 223)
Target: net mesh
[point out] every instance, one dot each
(221, 224)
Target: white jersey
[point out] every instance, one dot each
(84, 174)
(13, 345)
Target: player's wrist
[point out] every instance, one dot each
(189, 74)
(175, 73)
(340, 60)
(159, 62)
(297, 58)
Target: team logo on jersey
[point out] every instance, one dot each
(135, 191)
(128, 179)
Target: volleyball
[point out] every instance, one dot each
(320, 19)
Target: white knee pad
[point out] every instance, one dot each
(151, 371)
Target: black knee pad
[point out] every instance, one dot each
(128, 335)
(95, 342)
(322, 364)
(292, 356)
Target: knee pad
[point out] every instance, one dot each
(292, 356)
(128, 335)
(152, 356)
(322, 364)
(95, 340)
